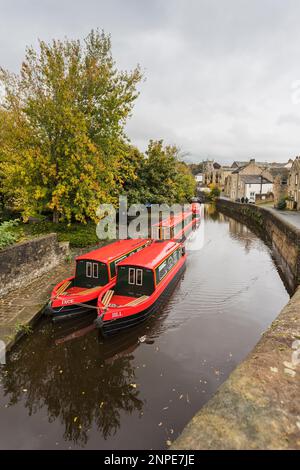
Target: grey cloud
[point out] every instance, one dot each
(218, 74)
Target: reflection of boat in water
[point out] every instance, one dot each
(94, 271)
(143, 284)
(119, 345)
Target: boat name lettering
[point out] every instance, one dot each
(67, 302)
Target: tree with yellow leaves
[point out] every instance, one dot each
(62, 128)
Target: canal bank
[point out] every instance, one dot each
(21, 308)
(258, 406)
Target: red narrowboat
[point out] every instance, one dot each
(94, 272)
(144, 282)
(196, 210)
(177, 227)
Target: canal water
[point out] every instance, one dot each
(63, 387)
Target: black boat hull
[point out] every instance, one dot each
(70, 311)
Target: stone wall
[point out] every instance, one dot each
(283, 237)
(263, 198)
(22, 263)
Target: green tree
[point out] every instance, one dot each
(162, 178)
(64, 127)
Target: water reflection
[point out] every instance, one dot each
(77, 384)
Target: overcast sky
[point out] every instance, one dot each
(222, 77)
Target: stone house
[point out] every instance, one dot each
(253, 187)
(280, 182)
(294, 185)
(216, 174)
(236, 186)
(211, 172)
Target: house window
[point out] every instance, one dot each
(139, 277)
(88, 269)
(131, 276)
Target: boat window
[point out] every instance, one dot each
(131, 276)
(95, 270)
(139, 277)
(144, 284)
(90, 274)
(112, 269)
(163, 269)
(88, 269)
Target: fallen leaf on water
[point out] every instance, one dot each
(181, 396)
(160, 424)
(133, 385)
(101, 404)
(24, 389)
(75, 419)
(166, 408)
(168, 442)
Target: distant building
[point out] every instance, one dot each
(280, 176)
(294, 186)
(214, 173)
(252, 186)
(235, 186)
(199, 178)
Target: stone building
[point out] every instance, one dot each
(294, 186)
(236, 186)
(216, 174)
(280, 182)
(211, 172)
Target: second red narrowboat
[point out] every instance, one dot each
(95, 271)
(177, 227)
(144, 282)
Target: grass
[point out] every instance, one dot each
(23, 328)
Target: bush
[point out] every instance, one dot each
(79, 235)
(214, 193)
(281, 204)
(8, 233)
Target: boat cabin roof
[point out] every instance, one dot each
(108, 253)
(152, 255)
(173, 220)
